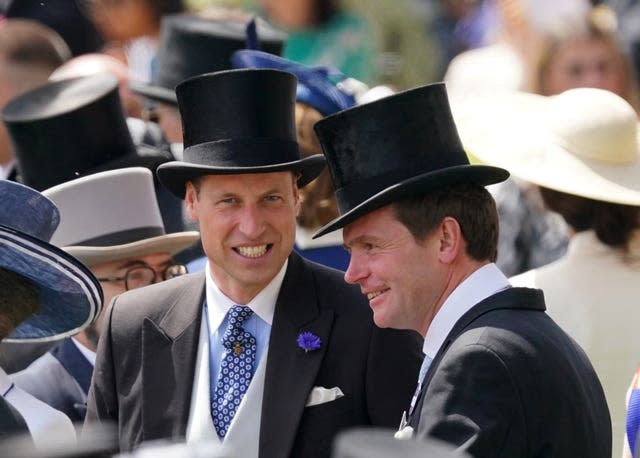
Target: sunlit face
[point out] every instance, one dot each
(247, 226)
(585, 63)
(118, 268)
(403, 279)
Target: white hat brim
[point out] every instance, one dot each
(509, 130)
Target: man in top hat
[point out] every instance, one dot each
(263, 353)
(499, 377)
(111, 222)
(45, 294)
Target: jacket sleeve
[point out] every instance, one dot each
(102, 401)
(393, 364)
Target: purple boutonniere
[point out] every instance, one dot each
(308, 341)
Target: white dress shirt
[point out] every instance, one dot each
(484, 282)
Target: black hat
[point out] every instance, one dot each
(191, 46)
(238, 121)
(63, 16)
(396, 147)
(66, 129)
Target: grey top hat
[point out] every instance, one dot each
(396, 147)
(113, 215)
(190, 46)
(251, 129)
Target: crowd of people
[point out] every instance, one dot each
(223, 233)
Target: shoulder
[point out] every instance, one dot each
(38, 373)
(156, 298)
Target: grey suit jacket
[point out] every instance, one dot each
(146, 360)
(60, 378)
(508, 382)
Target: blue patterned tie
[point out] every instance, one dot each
(236, 369)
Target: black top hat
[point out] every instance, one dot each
(65, 129)
(396, 147)
(191, 46)
(238, 121)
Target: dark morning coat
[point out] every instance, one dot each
(508, 382)
(60, 378)
(146, 360)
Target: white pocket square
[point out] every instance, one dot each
(321, 395)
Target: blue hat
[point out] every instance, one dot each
(70, 296)
(317, 86)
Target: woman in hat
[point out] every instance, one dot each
(45, 294)
(581, 148)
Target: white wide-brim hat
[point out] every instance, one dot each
(582, 142)
(113, 215)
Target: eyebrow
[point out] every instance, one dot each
(359, 239)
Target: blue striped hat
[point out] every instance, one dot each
(70, 296)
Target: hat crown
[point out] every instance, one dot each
(392, 139)
(316, 86)
(107, 208)
(64, 129)
(191, 46)
(594, 124)
(238, 105)
(26, 210)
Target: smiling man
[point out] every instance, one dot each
(262, 354)
(111, 222)
(499, 378)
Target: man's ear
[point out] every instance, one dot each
(190, 198)
(451, 241)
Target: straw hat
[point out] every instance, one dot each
(70, 296)
(582, 142)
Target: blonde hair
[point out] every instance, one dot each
(318, 204)
(599, 24)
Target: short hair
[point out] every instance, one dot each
(19, 299)
(612, 223)
(33, 49)
(471, 205)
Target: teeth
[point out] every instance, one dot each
(374, 294)
(252, 251)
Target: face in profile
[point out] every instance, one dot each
(588, 62)
(401, 277)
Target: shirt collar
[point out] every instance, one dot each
(484, 282)
(263, 304)
(90, 355)
(6, 169)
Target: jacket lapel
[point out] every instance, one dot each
(510, 298)
(291, 371)
(169, 348)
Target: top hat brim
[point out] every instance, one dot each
(174, 175)
(70, 297)
(157, 93)
(482, 175)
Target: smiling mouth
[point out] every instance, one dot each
(375, 294)
(253, 251)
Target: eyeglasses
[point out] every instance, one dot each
(143, 275)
